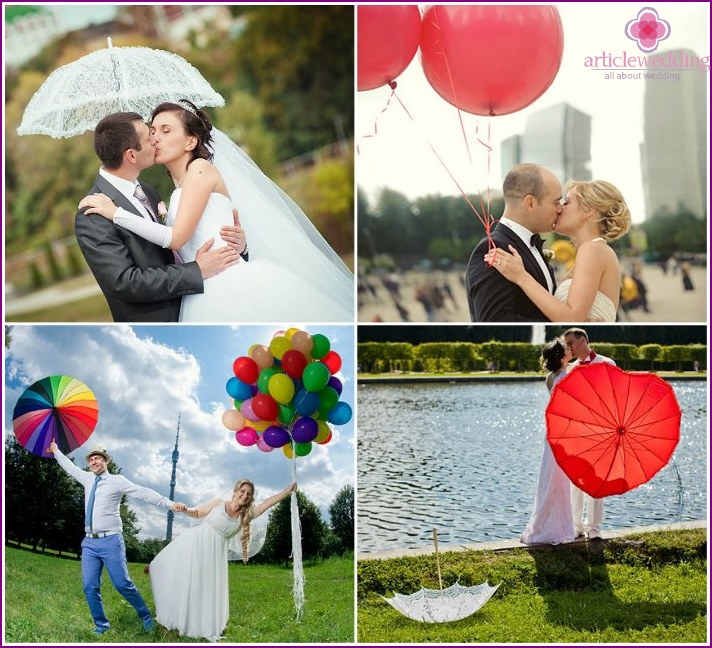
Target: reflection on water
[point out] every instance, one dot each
(465, 458)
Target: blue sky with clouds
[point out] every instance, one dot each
(143, 376)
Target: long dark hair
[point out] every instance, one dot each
(552, 355)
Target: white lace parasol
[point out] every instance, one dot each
(440, 606)
(116, 79)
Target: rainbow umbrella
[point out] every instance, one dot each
(56, 407)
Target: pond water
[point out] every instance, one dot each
(465, 458)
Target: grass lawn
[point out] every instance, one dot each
(44, 603)
(644, 588)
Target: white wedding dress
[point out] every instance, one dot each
(602, 309)
(257, 290)
(189, 577)
(551, 521)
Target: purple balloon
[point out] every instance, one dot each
(275, 436)
(336, 384)
(305, 430)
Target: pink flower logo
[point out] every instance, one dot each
(647, 29)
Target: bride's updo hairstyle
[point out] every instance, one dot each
(552, 355)
(196, 122)
(246, 517)
(614, 217)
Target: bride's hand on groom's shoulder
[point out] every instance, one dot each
(508, 264)
(98, 204)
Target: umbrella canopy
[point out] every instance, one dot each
(611, 430)
(57, 407)
(116, 79)
(440, 606)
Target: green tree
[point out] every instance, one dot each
(278, 542)
(341, 512)
(298, 61)
(651, 352)
(44, 506)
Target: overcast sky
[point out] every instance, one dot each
(143, 376)
(398, 157)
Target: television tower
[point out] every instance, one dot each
(171, 514)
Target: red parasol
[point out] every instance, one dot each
(56, 407)
(611, 430)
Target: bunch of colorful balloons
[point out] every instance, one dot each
(286, 395)
(483, 59)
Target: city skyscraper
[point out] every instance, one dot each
(674, 151)
(558, 137)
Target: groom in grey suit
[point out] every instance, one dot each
(141, 281)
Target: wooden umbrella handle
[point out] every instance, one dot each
(437, 556)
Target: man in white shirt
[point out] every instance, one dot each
(577, 340)
(532, 203)
(103, 545)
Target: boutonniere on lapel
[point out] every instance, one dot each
(162, 211)
(548, 255)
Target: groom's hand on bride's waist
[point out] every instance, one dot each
(213, 262)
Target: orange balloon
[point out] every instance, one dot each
(233, 420)
(302, 341)
(261, 355)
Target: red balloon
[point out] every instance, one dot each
(246, 370)
(388, 37)
(293, 363)
(265, 407)
(333, 361)
(491, 59)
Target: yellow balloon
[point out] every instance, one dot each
(281, 388)
(290, 332)
(279, 346)
(287, 449)
(260, 426)
(323, 433)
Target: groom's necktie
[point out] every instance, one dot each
(90, 505)
(537, 242)
(143, 199)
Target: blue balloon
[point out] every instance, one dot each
(238, 389)
(305, 402)
(340, 413)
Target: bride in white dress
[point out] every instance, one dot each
(189, 577)
(292, 272)
(594, 214)
(551, 521)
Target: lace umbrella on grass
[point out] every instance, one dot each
(444, 605)
(115, 79)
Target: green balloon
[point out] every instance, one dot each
(263, 378)
(302, 449)
(315, 377)
(285, 413)
(321, 347)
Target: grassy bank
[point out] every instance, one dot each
(44, 603)
(643, 588)
(493, 376)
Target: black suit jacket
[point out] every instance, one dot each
(491, 297)
(139, 279)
